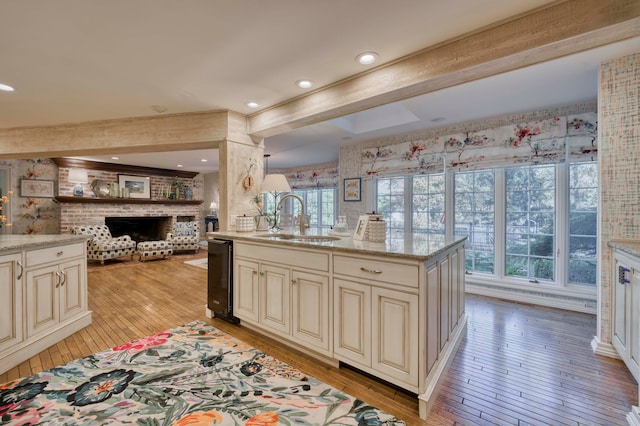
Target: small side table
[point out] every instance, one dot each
(213, 220)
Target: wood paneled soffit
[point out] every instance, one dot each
(560, 29)
(202, 130)
(121, 168)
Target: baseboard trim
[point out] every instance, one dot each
(604, 349)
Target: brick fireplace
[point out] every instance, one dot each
(91, 212)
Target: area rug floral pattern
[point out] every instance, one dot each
(194, 374)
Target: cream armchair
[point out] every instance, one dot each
(185, 236)
(102, 246)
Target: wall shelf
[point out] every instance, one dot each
(107, 200)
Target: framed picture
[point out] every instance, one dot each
(352, 190)
(138, 186)
(36, 188)
(361, 228)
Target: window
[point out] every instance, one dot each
(390, 203)
(474, 207)
(428, 204)
(320, 205)
(534, 224)
(583, 218)
(530, 221)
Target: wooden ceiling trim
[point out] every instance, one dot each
(122, 168)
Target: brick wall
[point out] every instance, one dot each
(72, 214)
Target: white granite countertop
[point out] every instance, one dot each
(409, 246)
(631, 247)
(15, 243)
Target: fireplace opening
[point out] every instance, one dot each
(141, 228)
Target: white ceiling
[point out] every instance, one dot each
(79, 60)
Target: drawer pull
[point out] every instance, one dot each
(622, 275)
(21, 269)
(63, 278)
(58, 280)
(371, 271)
(60, 253)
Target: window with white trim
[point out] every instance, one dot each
(533, 224)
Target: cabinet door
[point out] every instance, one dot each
(445, 302)
(245, 290)
(311, 309)
(275, 298)
(620, 309)
(634, 325)
(352, 321)
(72, 289)
(395, 334)
(10, 300)
(42, 299)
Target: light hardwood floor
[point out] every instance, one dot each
(517, 365)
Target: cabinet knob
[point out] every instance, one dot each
(60, 253)
(262, 274)
(294, 281)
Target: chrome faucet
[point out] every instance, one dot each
(302, 216)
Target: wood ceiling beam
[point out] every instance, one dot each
(175, 132)
(550, 32)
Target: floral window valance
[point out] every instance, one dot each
(553, 140)
(312, 177)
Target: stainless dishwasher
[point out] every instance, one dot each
(220, 280)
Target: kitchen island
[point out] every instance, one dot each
(43, 293)
(394, 310)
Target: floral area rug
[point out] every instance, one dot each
(194, 374)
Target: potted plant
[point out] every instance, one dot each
(261, 218)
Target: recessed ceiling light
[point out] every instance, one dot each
(252, 104)
(115, 158)
(6, 88)
(179, 165)
(367, 58)
(204, 160)
(304, 84)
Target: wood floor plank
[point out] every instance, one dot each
(517, 364)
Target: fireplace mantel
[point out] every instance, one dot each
(65, 199)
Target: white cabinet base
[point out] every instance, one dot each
(633, 418)
(427, 398)
(39, 343)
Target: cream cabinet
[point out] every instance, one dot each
(310, 309)
(245, 289)
(11, 324)
(283, 293)
(376, 325)
(262, 294)
(54, 294)
(397, 315)
(275, 298)
(626, 309)
(43, 296)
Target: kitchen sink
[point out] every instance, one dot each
(294, 237)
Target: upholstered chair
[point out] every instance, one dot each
(185, 236)
(102, 245)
